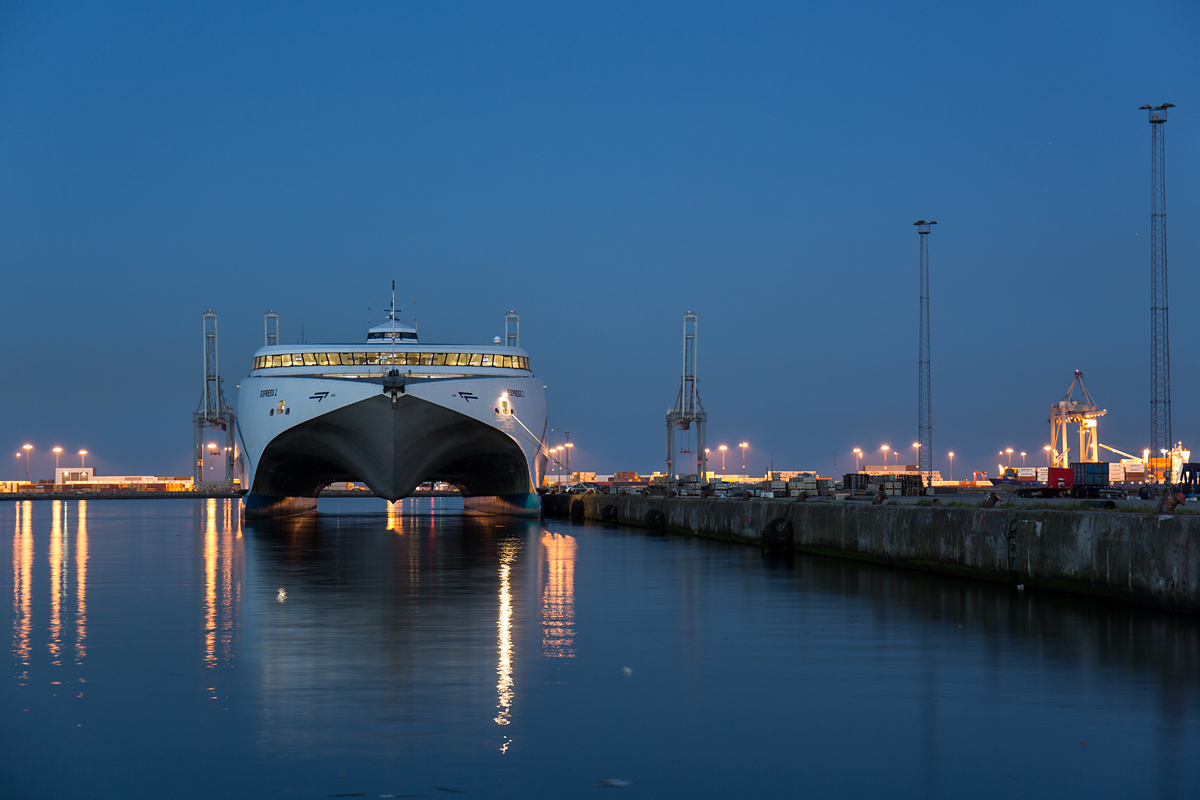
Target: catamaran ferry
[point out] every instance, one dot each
(392, 413)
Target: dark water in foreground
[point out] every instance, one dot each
(153, 655)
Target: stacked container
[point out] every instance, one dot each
(1090, 473)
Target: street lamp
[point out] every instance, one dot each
(212, 448)
(952, 466)
(917, 455)
(1010, 452)
(82, 456)
(27, 448)
(568, 445)
(858, 459)
(722, 448)
(17, 469)
(744, 445)
(885, 448)
(1047, 449)
(57, 452)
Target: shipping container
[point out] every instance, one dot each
(1089, 473)
(1026, 472)
(1059, 477)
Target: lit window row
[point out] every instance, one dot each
(391, 359)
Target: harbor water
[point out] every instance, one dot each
(165, 648)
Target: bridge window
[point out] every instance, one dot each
(408, 359)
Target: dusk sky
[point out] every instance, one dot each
(602, 170)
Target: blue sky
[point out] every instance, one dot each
(601, 170)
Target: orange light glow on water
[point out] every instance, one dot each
(558, 596)
(23, 583)
(210, 583)
(81, 559)
(393, 516)
(222, 580)
(56, 580)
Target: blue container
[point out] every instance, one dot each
(1090, 473)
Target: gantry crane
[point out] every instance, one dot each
(1085, 412)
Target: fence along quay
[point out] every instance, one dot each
(1150, 559)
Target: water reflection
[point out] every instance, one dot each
(558, 596)
(23, 586)
(81, 559)
(59, 562)
(223, 579)
(504, 646)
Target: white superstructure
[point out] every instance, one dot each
(392, 413)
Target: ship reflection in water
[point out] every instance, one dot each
(390, 649)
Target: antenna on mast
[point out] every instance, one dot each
(393, 316)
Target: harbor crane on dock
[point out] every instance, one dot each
(1084, 412)
(688, 408)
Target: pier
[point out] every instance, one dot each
(1138, 557)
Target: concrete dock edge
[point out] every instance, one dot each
(1142, 558)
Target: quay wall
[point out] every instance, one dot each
(1144, 558)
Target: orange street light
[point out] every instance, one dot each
(1047, 449)
(1010, 452)
(885, 449)
(744, 445)
(27, 448)
(951, 466)
(722, 448)
(82, 456)
(1022, 458)
(57, 451)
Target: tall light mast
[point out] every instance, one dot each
(1160, 350)
(271, 328)
(688, 408)
(924, 399)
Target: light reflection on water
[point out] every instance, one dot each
(414, 648)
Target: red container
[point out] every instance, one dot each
(1060, 478)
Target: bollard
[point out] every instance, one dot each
(1168, 502)
(991, 500)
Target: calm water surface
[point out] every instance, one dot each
(165, 649)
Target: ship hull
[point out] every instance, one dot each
(299, 434)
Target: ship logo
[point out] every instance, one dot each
(467, 396)
(319, 396)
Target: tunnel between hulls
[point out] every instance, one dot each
(392, 449)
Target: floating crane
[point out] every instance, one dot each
(1085, 412)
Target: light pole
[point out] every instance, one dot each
(723, 448)
(743, 445)
(917, 447)
(858, 459)
(1022, 458)
(57, 452)
(885, 449)
(1047, 449)
(212, 448)
(82, 456)
(568, 445)
(1010, 452)
(27, 448)
(952, 466)
(17, 469)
